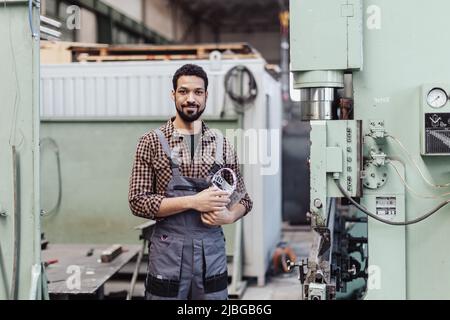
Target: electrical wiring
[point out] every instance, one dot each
(416, 165)
(393, 223)
(30, 19)
(415, 192)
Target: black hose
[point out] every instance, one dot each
(374, 216)
(241, 100)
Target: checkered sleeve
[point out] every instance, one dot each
(143, 201)
(232, 162)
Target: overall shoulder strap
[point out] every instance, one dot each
(166, 148)
(164, 143)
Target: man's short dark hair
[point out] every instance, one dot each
(190, 70)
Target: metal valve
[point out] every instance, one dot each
(300, 265)
(290, 265)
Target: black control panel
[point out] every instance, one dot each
(437, 133)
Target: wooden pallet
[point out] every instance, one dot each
(162, 52)
(87, 58)
(58, 52)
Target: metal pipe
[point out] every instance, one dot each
(284, 51)
(14, 290)
(31, 3)
(50, 32)
(51, 22)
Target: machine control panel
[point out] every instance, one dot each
(435, 118)
(437, 133)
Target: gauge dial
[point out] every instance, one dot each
(437, 98)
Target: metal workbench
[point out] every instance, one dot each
(79, 271)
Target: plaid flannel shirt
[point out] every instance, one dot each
(152, 172)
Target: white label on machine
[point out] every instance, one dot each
(386, 206)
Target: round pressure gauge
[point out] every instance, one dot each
(437, 98)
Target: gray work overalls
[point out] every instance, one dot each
(187, 259)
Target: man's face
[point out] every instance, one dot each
(190, 97)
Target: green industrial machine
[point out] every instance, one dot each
(375, 85)
(21, 271)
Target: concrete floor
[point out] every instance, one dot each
(285, 286)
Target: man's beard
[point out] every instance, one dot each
(189, 117)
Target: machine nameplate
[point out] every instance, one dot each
(386, 206)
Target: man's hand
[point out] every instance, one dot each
(224, 216)
(211, 199)
(218, 217)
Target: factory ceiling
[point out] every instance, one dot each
(236, 15)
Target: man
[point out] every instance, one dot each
(170, 183)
